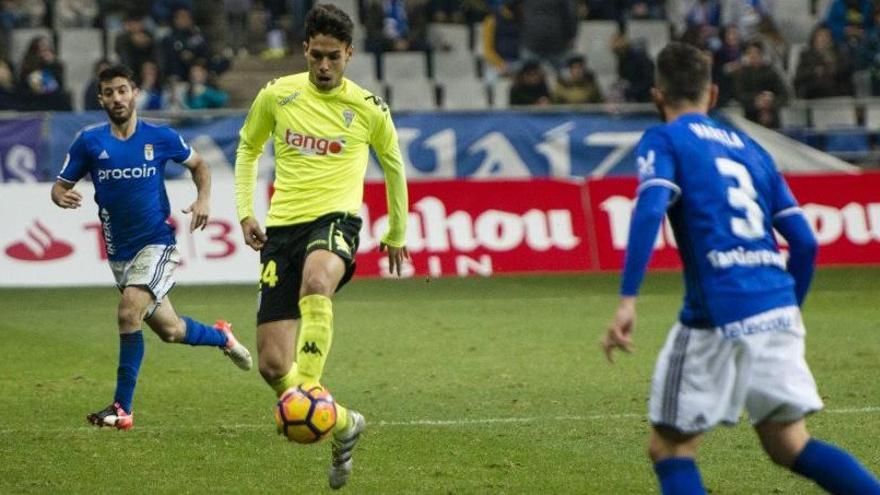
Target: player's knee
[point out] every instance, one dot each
(316, 285)
(129, 316)
(169, 337)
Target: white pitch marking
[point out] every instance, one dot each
(407, 423)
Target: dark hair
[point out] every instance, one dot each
(329, 20)
(754, 44)
(115, 71)
(683, 73)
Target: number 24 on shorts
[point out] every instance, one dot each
(268, 274)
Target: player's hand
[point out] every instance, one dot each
(200, 210)
(396, 255)
(253, 234)
(71, 198)
(619, 334)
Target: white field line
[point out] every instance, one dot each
(453, 423)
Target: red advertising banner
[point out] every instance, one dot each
(481, 228)
(843, 210)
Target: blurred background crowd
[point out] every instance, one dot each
(425, 54)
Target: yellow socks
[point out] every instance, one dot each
(285, 382)
(342, 419)
(315, 336)
(312, 346)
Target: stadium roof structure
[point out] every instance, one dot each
(791, 155)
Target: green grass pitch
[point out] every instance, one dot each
(469, 386)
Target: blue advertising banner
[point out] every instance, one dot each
(22, 150)
(520, 144)
(446, 145)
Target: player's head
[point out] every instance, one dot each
(117, 93)
(328, 45)
(683, 80)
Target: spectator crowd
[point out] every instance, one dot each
(178, 48)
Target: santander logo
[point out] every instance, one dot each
(311, 145)
(38, 245)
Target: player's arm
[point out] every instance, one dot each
(646, 220)
(201, 177)
(802, 250)
(657, 190)
(254, 132)
(74, 168)
(789, 221)
(64, 195)
(384, 142)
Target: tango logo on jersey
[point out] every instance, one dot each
(126, 173)
(38, 245)
(311, 145)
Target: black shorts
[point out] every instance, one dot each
(284, 255)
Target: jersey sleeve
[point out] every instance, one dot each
(77, 162)
(384, 141)
(176, 147)
(656, 163)
(254, 132)
(782, 201)
(656, 191)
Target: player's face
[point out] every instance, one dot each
(118, 98)
(327, 57)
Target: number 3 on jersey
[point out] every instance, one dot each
(742, 197)
(268, 274)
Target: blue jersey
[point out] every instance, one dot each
(129, 183)
(726, 193)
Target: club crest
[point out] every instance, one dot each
(148, 152)
(348, 115)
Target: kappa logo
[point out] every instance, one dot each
(379, 102)
(289, 98)
(646, 164)
(341, 245)
(38, 245)
(311, 348)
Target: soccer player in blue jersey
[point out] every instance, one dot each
(126, 160)
(739, 341)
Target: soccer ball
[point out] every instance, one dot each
(305, 413)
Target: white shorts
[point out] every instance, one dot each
(704, 377)
(153, 268)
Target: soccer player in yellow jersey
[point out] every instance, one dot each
(323, 126)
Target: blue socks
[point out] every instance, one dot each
(679, 476)
(198, 333)
(835, 470)
(131, 353)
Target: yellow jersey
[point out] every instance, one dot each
(322, 142)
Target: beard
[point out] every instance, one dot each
(122, 117)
